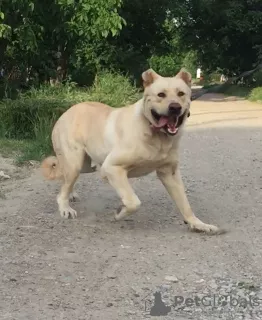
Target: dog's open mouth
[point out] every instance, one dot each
(170, 123)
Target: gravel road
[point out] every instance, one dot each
(150, 266)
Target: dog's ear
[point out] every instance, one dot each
(149, 76)
(185, 76)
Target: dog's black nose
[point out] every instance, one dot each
(174, 108)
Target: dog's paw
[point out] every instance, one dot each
(121, 213)
(74, 197)
(127, 209)
(68, 212)
(202, 227)
(199, 226)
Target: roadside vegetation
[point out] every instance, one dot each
(56, 53)
(27, 121)
(249, 88)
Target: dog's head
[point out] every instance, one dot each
(166, 100)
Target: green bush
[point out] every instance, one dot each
(167, 66)
(113, 89)
(32, 115)
(190, 63)
(19, 117)
(256, 94)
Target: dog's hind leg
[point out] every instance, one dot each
(87, 167)
(71, 164)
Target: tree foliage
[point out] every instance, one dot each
(226, 34)
(75, 39)
(46, 36)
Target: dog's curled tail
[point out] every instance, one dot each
(50, 168)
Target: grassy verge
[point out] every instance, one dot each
(26, 122)
(256, 95)
(24, 150)
(12, 148)
(249, 93)
(235, 90)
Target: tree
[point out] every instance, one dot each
(45, 35)
(74, 39)
(226, 34)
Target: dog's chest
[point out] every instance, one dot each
(159, 149)
(151, 157)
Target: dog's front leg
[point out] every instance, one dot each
(117, 177)
(170, 176)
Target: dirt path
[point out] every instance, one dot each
(93, 268)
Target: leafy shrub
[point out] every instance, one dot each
(167, 66)
(38, 109)
(190, 63)
(113, 89)
(22, 115)
(256, 94)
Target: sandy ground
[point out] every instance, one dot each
(94, 268)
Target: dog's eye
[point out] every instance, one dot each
(162, 95)
(181, 93)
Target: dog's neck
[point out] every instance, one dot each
(139, 105)
(139, 112)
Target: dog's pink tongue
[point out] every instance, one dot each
(162, 122)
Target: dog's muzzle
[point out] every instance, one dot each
(171, 122)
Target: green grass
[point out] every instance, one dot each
(256, 95)
(238, 91)
(252, 92)
(38, 148)
(249, 93)
(27, 122)
(112, 89)
(12, 148)
(24, 150)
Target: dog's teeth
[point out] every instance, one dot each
(172, 131)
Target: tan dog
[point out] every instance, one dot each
(127, 142)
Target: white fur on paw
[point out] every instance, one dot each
(203, 227)
(68, 213)
(74, 197)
